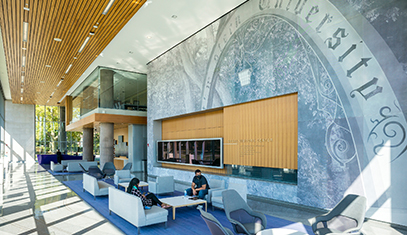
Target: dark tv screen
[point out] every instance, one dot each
(202, 152)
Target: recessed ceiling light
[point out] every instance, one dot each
(57, 39)
(69, 67)
(48, 66)
(149, 37)
(23, 62)
(21, 98)
(38, 92)
(84, 44)
(75, 58)
(42, 81)
(24, 48)
(91, 33)
(95, 26)
(52, 94)
(59, 83)
(22, 79)
(109, 5)
(26, 9)
(25, 31)
(22, 90)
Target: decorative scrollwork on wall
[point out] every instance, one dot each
(339, 143)
(391, 129)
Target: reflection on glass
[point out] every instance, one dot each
(204, 152)
(129, 90)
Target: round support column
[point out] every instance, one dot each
(106, 143)
(88, 144)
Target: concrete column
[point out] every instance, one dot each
(62, 132)
(106, 143)
(106, 89)
(87, 144)
(137, 146)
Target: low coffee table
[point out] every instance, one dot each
(126, 184)
(182, 201)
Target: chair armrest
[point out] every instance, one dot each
(260, 216)
(210, 191)
(317, 219)
(116, 179)
(237, 223)
(152, 186)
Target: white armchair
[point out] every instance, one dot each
(56, 167)
(122, 176)
(162, 184)
(214, 185)
(95, 187)
(130, 208)
(217, 195)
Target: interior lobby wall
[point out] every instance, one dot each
(20, 132)
(347, 64)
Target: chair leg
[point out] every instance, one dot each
(165, 223)
(110, 212)
(94, 197)
(138, 230)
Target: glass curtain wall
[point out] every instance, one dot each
(129, 92)
(48, 128)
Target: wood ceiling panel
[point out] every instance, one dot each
(70, 20)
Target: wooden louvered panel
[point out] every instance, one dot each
(72, 21)
(262, 133)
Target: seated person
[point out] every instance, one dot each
(149, 199)
(199, 185)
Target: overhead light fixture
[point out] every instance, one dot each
(48, 66)
(84, 44)
(109, 5)
(26, 9)
(22, 90)
(23, 62)
(69, 67)
(59, 83)
(24, 48)
(57, 39)
(47, 101)
(91, 33)
(25, 31)
(52, 93)
(42, 81)
(21, 98)
(95, 26)
(22, 79)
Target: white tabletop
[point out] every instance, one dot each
(181, 201)
(280, 231)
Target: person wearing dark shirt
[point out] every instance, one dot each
(199, 186)
(149, 199)
(59, 156)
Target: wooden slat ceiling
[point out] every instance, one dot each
(70, 20)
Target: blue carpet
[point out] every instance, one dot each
(187, 219)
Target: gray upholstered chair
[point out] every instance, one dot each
(128, 166)
(214, 185)
(95, 187)
(214, 225)
(242, 217)
(162, 184)
(347, 216)
(122, 176)
(109, 169)
(217, 200)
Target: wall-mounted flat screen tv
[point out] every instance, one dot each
(196, 152)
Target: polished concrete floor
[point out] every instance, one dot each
(35, 202)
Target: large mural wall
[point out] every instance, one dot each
(346, 59)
